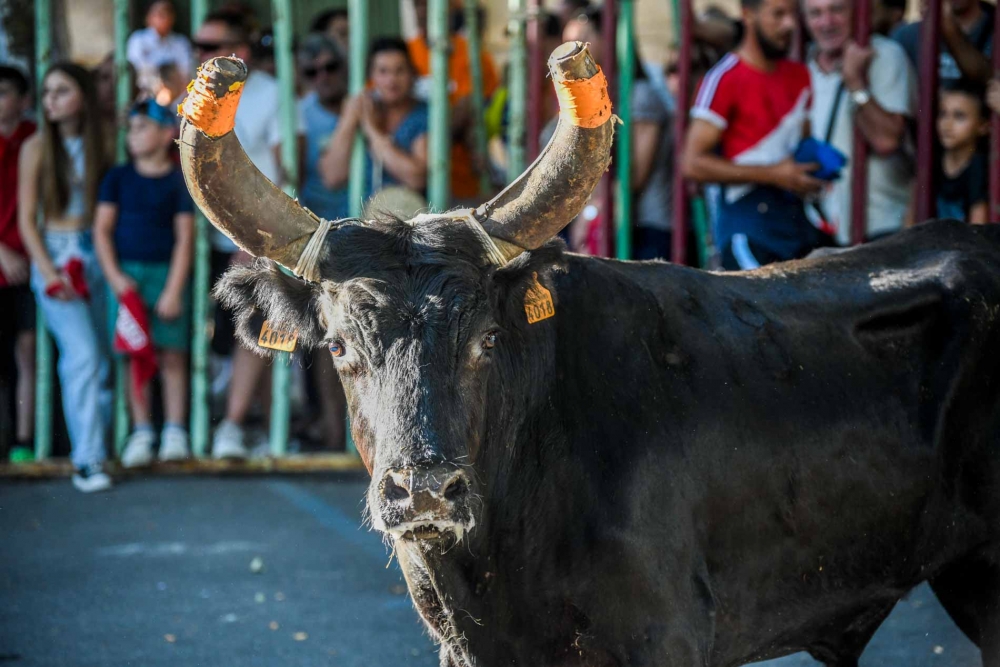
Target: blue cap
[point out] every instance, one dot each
(156, 113)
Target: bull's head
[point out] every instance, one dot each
(425, 318)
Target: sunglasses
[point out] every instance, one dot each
(311, 72)
(210, 46)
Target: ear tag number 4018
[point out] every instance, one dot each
(538, 304)
(277, 340)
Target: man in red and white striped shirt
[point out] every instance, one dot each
(750, 114)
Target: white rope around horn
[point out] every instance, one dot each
(492, 250)
(307, 267)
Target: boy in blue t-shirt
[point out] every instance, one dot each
(143, 234)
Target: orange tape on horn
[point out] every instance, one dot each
(215, 116)
(585, 102)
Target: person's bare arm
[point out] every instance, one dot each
(105, 220)
(979, 214)
(645, 142)
(335, 163)
(883, 130)
(973, 63)
(28, 169)
(171, 302)
(702, 165)
(408, 168)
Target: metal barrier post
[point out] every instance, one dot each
(536, 69)
(626, 76)
(684, 22)
(478, 104)
(517, 84)
(859, 156)
(357, 13)
(285, 64)
(123, 89)
(930, 39)
(200, 416)
(994, 215)
(43, 345)
(439, 171)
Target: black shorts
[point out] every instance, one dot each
(17, 310)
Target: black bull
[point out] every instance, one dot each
(678, 467)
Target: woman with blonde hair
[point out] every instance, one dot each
(59, 172)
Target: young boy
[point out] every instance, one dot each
(143, 236)
(963, 122)
(17, 305)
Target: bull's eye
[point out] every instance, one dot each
(489, 340)
(337, 349)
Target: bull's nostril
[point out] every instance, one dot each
(393, 491)
(456, 489)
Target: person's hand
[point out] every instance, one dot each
(993, 95)
(371, 122)
(58, 286)
(169, 306)
(14, 266)
(854, 69)
(120, 283)
(352, 108)
(795, 177)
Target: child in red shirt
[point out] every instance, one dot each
(17, 327)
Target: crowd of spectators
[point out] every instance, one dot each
(106, 252)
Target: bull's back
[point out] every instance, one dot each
(829, 426)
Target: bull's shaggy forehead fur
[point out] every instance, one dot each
(384, 272)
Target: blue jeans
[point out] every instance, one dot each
(78, 327)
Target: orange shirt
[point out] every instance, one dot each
(464, 180)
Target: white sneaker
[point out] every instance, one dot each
(91, 479)
(139, 448)
(228, 442)
(174, 444)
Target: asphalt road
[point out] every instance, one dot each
(159, 573)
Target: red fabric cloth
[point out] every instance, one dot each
(133, 337)
(10, 148)
(74, 270)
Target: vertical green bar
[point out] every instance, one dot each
(358, 22)
(439, 170)
(478, 104)
(357, 13)
(200, 416)
(626, 76)
(43, 360)
(517, 88)
(281, 11)
(123, 87)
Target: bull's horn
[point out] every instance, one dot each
(555, 188)
(234, 195)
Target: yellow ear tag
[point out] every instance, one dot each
(277, 340)
(538, 304)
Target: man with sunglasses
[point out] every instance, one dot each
(258, 128)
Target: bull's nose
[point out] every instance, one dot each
(433, 485)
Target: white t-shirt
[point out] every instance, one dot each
(258, 127)
(147, 51)
(892, 84)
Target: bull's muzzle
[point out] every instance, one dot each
(426, 503)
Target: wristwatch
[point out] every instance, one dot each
(861, 97)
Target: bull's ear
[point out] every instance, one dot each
(520, 274)
(260, 291)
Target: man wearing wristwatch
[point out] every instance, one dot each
(872, 88)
